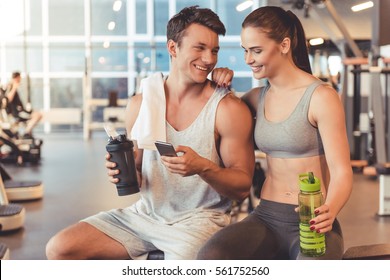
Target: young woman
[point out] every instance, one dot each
(300, 125)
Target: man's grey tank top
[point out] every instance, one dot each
(292, 137)
(170, 197)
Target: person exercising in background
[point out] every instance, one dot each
(16, 108)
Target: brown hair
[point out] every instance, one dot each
(15, 75)
(179, 23)
(279, 24)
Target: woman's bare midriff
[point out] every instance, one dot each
(281, 184)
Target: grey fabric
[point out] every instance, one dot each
(170, 197)
(292, 137)
(140, 234)
(271, 231)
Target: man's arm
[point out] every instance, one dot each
(234, 125)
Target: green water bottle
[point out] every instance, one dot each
(312, 244)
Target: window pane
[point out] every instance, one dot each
(66, 17)
(101, 87)
(14, 57)
(34, 58)
(36, 93)
(162, 57)
(142, 56)
(17, 59)
(67, 57)
(161, 17)
(106, 21)
(112, 58)
(66, 93)
(242, 84)
(228, 14)
(141, 18)
(180, 4)
(232, 55)
(35, 18)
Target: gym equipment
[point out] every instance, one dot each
(156, 255)
(377, 143)
(21, 190)
(12, 216)
(15, 149)
(368, 252)
(353, 128)
(383, 170)
(4, 252)
(384, 195)
(19, 151)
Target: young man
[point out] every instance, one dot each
(184, 199)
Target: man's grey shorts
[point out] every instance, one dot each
(140, 234)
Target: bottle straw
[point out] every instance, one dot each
(311, 181)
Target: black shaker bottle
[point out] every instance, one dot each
(121, 151)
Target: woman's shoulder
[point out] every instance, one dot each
(325, 91)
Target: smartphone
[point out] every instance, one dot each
(165, 149)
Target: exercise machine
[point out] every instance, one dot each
(21, 190)
(12, 216)
(15, 149)
(4, 252)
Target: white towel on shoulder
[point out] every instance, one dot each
(150, 123)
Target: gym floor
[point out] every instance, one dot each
(76, 186)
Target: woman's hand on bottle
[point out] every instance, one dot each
(323, 220)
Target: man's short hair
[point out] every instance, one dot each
(179, 23)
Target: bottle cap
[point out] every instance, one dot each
(116, 145)
(306, 186)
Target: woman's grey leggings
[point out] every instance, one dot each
(271, 231)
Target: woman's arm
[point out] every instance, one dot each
(327, 112)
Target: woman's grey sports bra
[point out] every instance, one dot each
(294, 137)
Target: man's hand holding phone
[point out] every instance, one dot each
(165, 149)
(187, 164)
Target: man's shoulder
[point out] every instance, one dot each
(233, 116)
(231, 101)
(232, 108)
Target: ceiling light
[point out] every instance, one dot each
(316, 41)
(117, 5)
(362, 6)
(244, 5)
(106, 44)
(102, 60)
(111, 25)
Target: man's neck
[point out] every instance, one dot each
(180, 90)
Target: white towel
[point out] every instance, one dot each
(150, 123)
